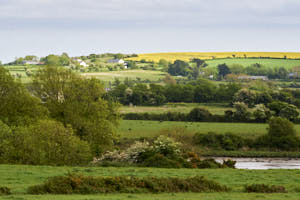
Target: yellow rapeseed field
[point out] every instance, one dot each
(186, 56)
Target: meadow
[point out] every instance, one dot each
(271, 63)
(131, 74)
(186, 56)
(20, 177)
(139, 128)
(214, 108)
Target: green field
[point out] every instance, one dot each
(214, 108)
(247, 62)
(20, 177)
(139, 128)
(131, 74)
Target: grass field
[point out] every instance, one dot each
(186, 56)
(214, 108)
(138, 128)
(271, 63)
(131, 74)
(20, 177)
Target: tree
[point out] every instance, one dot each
(163, 63)
(52, 60)
(223, 70)
(246, 96)
(289, 112)
(169, 80)
(199, 62)
(18, 106)
(261, 113)
(199, 114)
(45, 142)
(179, 67)
(64, 59)
(279, 127)
(80, 102)
(241, 113)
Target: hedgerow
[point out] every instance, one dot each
(79, 184)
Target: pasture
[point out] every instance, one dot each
(186, 56)
(20, 177)
(139, 128)
(131, 74)
(214, 108)
(271, 63)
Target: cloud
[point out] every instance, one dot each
(135, 13)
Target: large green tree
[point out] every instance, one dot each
(80, 102)
(18, 106)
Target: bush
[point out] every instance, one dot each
(44, 143)
(166, 146)
(227, 141)
(78, 184)
(199, 114)
(279, 127)
(4, 191)
(262, 188)
(161, 161)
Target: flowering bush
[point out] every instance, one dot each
(131, 155)
(136, 150)
(166, 146)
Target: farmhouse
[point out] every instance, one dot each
(31, 62)
(118, 61)
(264, 78)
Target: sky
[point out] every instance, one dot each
(81, 27)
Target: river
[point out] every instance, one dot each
(264, 163)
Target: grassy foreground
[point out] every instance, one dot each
(177, 196)
(20, 177)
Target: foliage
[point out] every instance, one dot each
(4, 191)
(43, 143)
(79, 184)
(199, 114)
(226, 141)
(79, 102)
(179, 68)
(280, 127)
(18, 107)
(263, 188)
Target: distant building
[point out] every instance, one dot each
(83, 64)
(294, 75)
(117, 61)
(264, 78)
(31, 62)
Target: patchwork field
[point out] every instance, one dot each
(186, 56)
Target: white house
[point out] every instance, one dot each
(118, 61)
(83, 64)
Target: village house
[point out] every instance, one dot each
(264, 78)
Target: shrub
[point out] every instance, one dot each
(199, 114)
(279, 127)
(262, 188)
(45, 143)
(161, 161)
(4, 191)
(166, 146)
(227, 141)
(78, 184)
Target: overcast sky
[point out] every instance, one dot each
(81, 27)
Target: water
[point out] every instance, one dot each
(264, 163)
